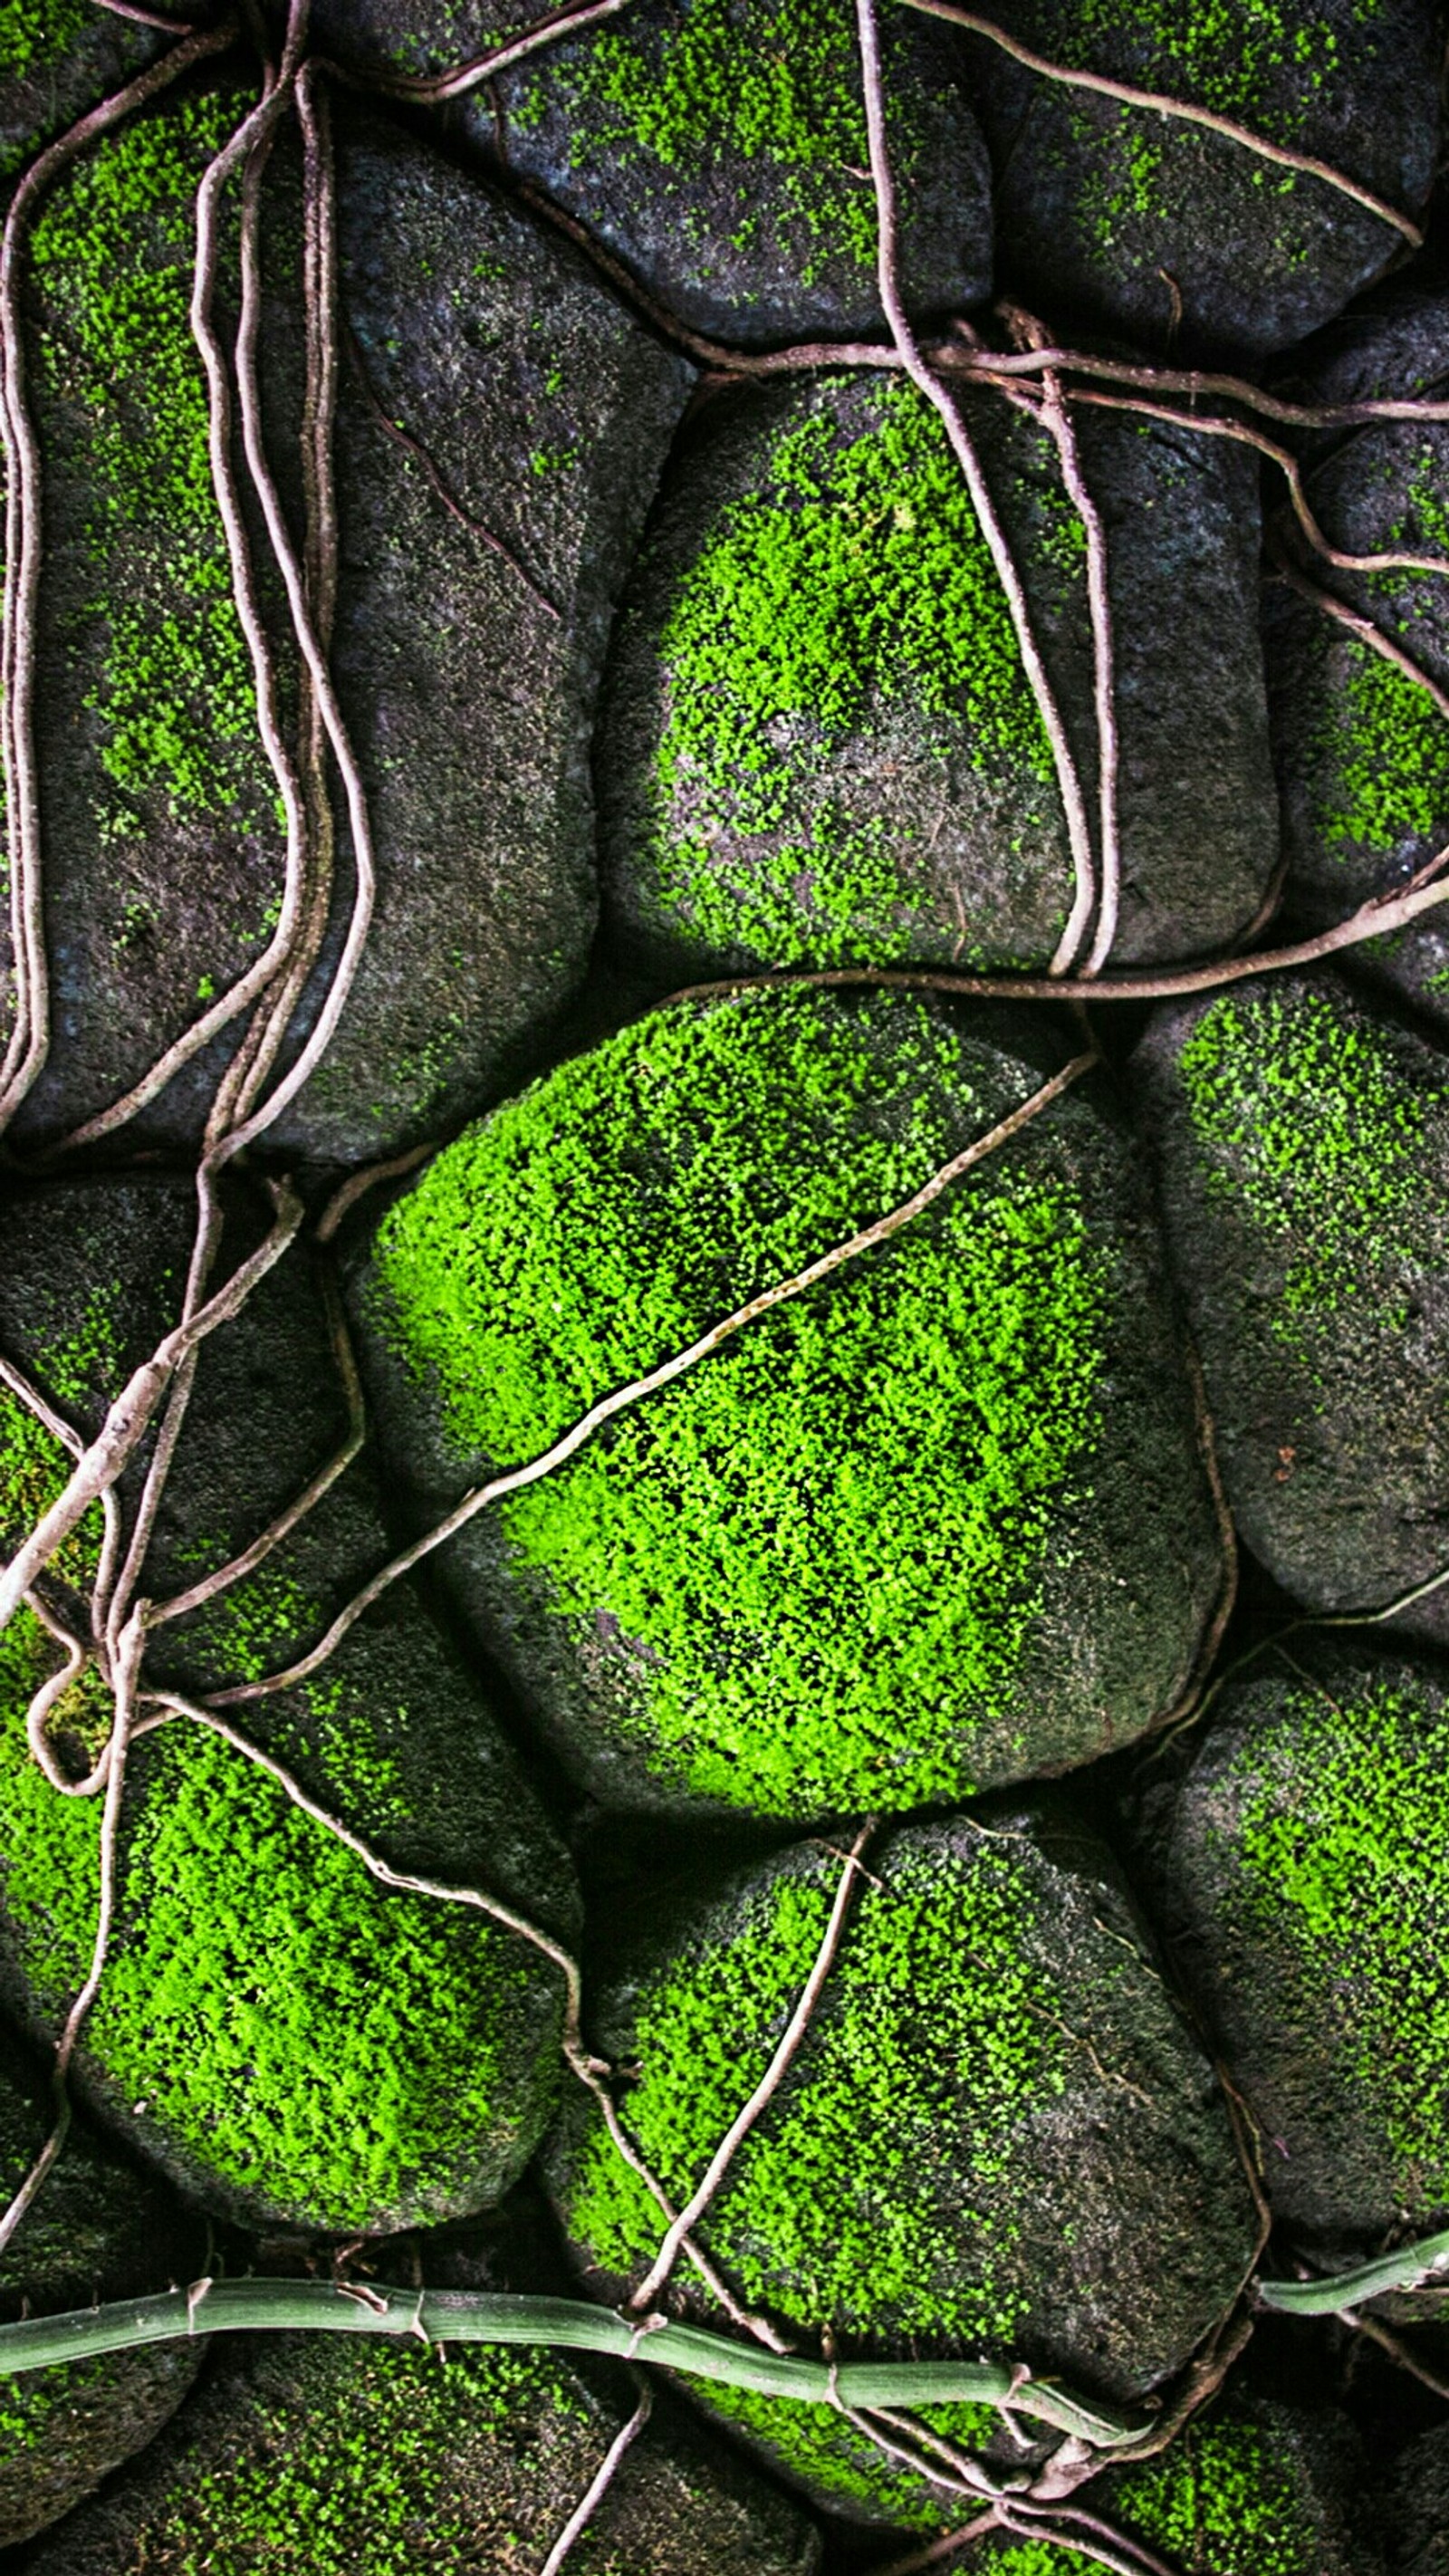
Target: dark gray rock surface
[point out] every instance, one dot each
(819, 743)
(1302, 1143)
(1361, 747)
(1418, 2507)
(1150, 225)
(993, 2068)
(544, 411)
(1309, 1875)
(261, 1980)
(97, 2230)
(717, 148)
(940, 1523)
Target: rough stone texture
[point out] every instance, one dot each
(309, 2456)
(1303, 1150)
(57, 58)
(819, 743)
(1251, 2488)
(993, 2068)
(880, 1550)
(289, 2040)
(1361, 749)
(718, 149)
(96, 2231)
(545, 411)
(1418, 2507)
(1096, 200)
(1309, 1871)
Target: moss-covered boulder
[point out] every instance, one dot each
(470, 622)
(290, 2039)
(1309, 1870)
(718, 149)
(1155, 225)
(1254, 2488)
(997, 2137)
(937, 1522)
(95, 2231)
(316, 2456)
(820, 744)
(1303, 1146)
(1361, 749)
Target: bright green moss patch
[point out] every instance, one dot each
(1223, 2497)
(1230, 55)
(816, 2446)
(1380, 761)
(826, 1540)
(1345, 1844)
(940, 1947)
(1310, 1121)
(111, 255)
(326, 2048)
(931, 2050)
(36, 32)
(854, 579)
(775, 84)
(389, 2468)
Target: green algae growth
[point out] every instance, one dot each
(1344, 1846)
(317, 2048)
(111, 256)
(1308, 1116)
(825, 1541)
(1224, 2495)
(854, 580)
(879, 2192)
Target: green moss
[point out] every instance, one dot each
(36, 32)
(1311, 1123)
(1223, 2497)
(111, 255)
(835, 2209)
(817, 2447)
(826, 1539)
(775, 85)
(306, 2035)
(1345, 1843)
(854, 579)
(392, 2463)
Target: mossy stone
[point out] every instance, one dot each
(1253, 2487)
(718, 148)
(819, 741)
(997, 2137)
(1303, 1147)
(1158, 227)
(1361, 749)
(545, 411)
(319, 2456)
(57, 59)
(290, 2040)
(95, 2231)
(937, 1522)
(1308, 1870)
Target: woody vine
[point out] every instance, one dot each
(1030, 371)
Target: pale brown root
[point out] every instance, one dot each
(237, 1568)
(1159, 104)
(937, 2553)
(665, 1374)
(432, 88)
(784, 2055)
(29, 1045)
(599, 2485)
(130, 1416)
(346, 1196)
(128, 1663)
(1364, 632)
(937, 395)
